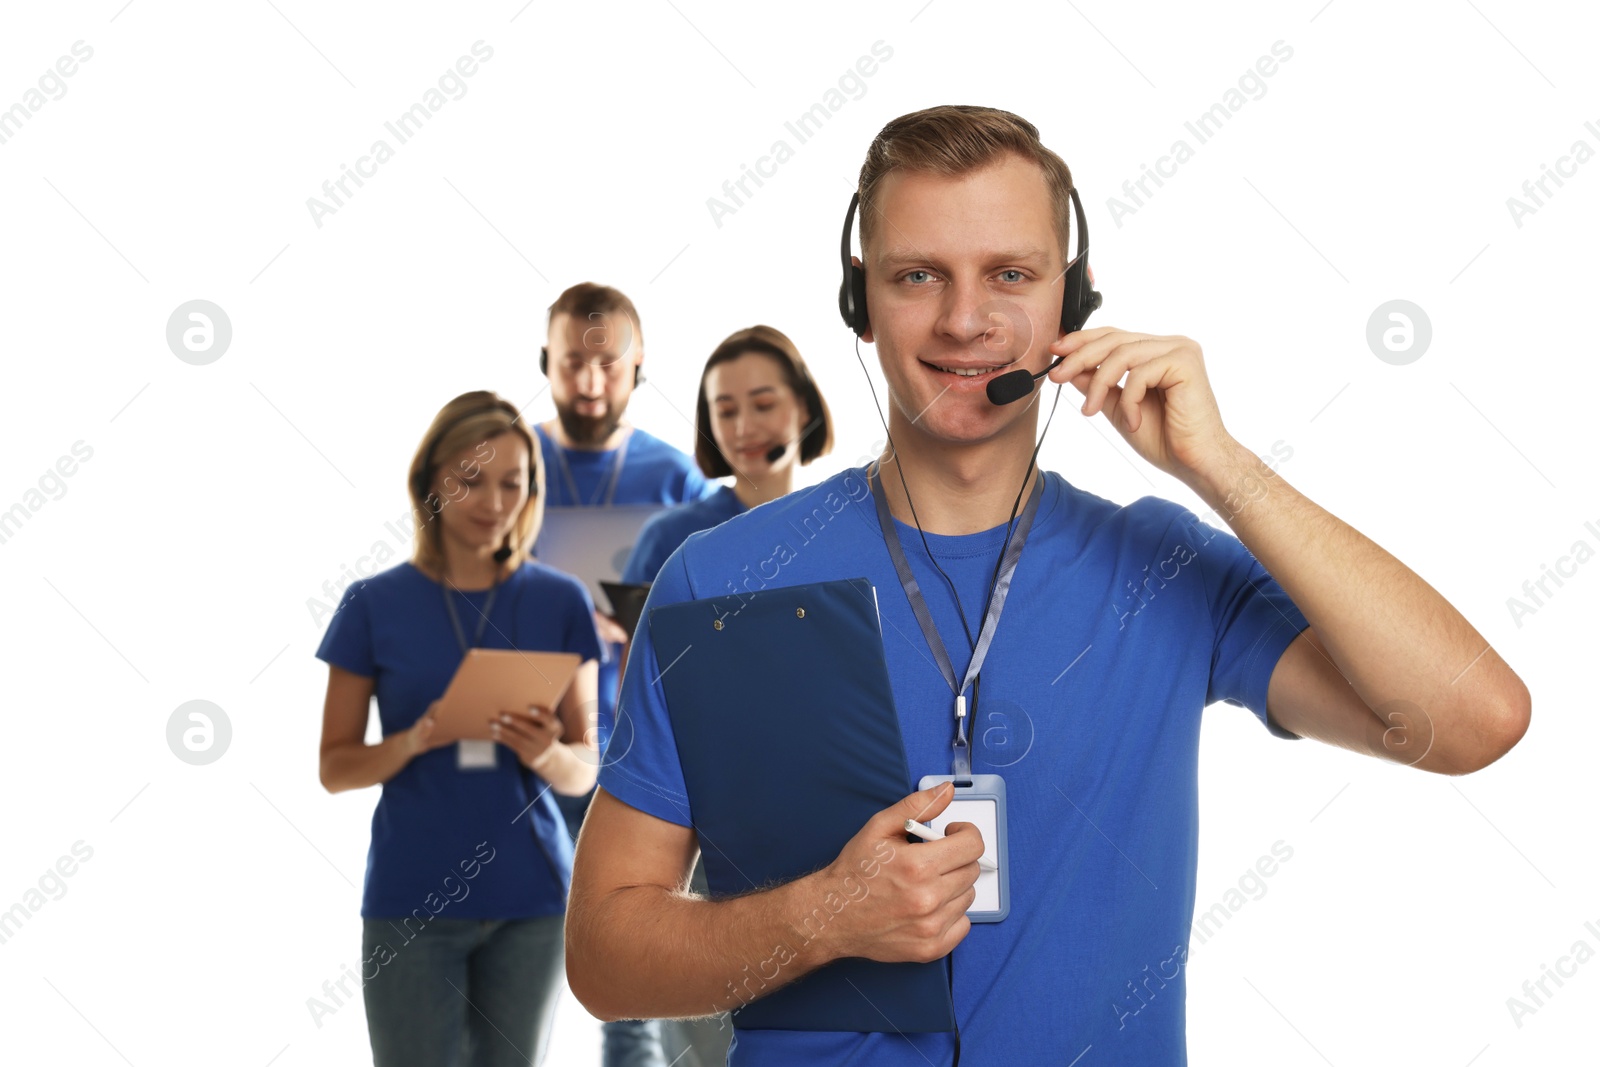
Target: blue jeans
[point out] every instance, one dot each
(697, 1042)
(632, 1043)
(626, 1042)
(474, 992)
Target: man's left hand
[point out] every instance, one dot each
(1165, 409)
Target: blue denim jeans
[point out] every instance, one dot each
(626, 1042)
(697, 1042)
(632, 1043)
(473, 992)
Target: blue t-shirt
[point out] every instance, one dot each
(653, 472)
(1122, 624)
(433, 819)
(666, 531)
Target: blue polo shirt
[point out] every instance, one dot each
(666, 531)
(434, 823)
(1123, 624)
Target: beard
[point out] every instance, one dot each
(591, 429)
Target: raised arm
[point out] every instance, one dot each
(639, 945)
(1389, 667)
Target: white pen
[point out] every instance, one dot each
(916, 829)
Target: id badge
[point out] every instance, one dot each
(475, 755)
(982, 802)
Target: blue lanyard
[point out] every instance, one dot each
(616, 472)
(483, 616)
(961, 759)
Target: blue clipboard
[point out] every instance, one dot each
(783, 715)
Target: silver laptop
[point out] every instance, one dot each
(592, 543)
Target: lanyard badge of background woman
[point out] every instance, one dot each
(472, 754)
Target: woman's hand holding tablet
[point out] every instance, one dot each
(418, 738)
(531, 734)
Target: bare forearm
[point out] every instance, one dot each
(569, 766)
(646, 951)
(358, 765)
(1390, 634)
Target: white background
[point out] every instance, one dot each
(179, 562)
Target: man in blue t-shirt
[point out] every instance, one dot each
(594, 457)
(1122, 623)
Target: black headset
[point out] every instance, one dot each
(544, 367)
(1079, 299)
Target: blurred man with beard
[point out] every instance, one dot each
(594, 457)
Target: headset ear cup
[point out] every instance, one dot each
(544, 361)
(853, 281)
(853, 300)
(858, 290)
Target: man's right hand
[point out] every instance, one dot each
(915, 898)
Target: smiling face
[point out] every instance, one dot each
(485, 488)
(963, 284)
(754, 409)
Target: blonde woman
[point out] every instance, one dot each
(469, 865)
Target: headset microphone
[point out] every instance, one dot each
(776, 452)
(502, 553)
(1017, 384)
